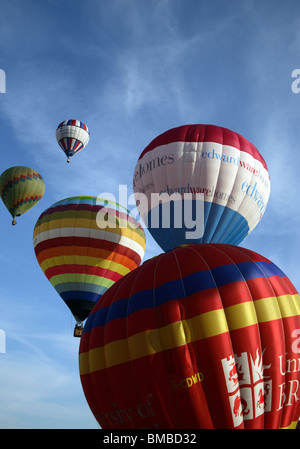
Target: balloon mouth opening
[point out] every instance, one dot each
(69, 154)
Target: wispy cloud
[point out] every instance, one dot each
(39, 375)
(33, 392)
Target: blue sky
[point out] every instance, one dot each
(130, 70)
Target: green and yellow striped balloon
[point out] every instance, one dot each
(21, 188)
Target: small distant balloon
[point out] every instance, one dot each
(21, 188)
(72, 136)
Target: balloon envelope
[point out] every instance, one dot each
(21, 188)
(72, 136)
(221, 176)
(204, 336)
(80, 255)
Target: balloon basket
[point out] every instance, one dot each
(78, 330)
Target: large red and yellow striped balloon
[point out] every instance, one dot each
(82, 253)
(204, 336)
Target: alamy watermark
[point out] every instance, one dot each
(296, 84)
(2, 82)
(160, 210)
(2, 342)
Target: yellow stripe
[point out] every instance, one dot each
(134, 234)
(289, 305)
(241, 315)
(175, 334)
(267, 309)
(180, 333)
(154, 340)
(262, 310)
(85, 214)
(83, 260)
(79, 277)
(208, 324)
(68, 223)
(89, 361)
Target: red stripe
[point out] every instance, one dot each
(77, 144)
(89, 243)
(93, 208)
(267, 287)
(64, 207)
(83, 269)
(281, 287)
(205, 133)
(17, 178)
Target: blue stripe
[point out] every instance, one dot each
(226, 274)
(118, 309)
(140, 301)
(68, 288)
(183, 288)
(78, 294)
(202, 280)
(232, 227)
(96, 319)
(270, 269)
(221, 225)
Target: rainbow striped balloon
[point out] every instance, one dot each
(21, 188)
(204, 336)
(80, 254)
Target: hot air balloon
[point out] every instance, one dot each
(81, 254)
(203, 336)
(21, 188)
(213, 181)
(72, 136)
